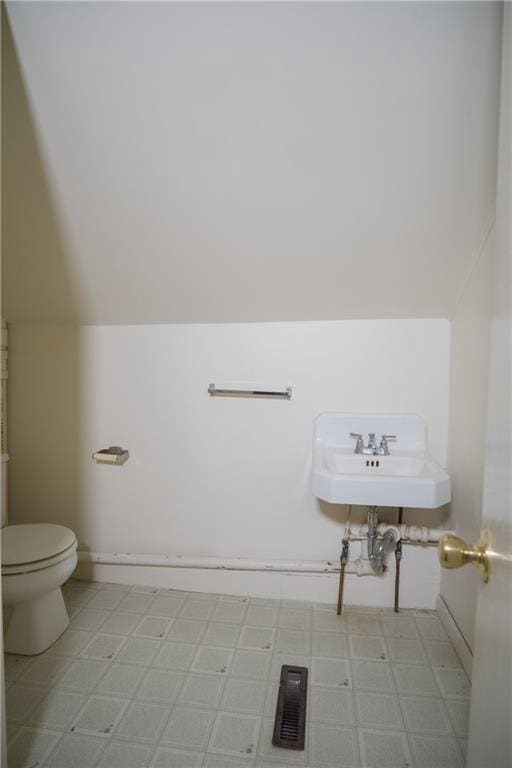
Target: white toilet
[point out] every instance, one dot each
(37, 558)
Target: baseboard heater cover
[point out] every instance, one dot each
(290, 721)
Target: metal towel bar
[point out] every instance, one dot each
(242, 391)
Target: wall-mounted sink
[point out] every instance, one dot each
(408, 477)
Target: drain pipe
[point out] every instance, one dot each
(383, 544)
(373, 522)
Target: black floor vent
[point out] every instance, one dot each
(290, 722)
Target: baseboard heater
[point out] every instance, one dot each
(290, 722)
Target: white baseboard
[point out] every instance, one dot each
(457, 638)
(374, 591)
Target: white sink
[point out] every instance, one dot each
(408, 477)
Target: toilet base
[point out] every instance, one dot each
(34, 625)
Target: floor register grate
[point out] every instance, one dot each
(290, 722)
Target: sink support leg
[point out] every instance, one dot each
(398, 557)
(343, 562)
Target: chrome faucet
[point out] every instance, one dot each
(372, 445)
(372, 449)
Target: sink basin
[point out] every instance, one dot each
(408, 477)
(342, 463)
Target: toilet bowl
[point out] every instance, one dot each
(37, 558)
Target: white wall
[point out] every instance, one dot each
(211, 476)
(469, 371)
(245, 161)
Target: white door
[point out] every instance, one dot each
(490, 730)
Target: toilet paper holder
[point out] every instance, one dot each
(113, 455)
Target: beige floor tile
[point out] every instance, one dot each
(384, 749)
(425, 715)
(333, 746)
(435, 752)
(120, 754)
(142, 722)
(334, 673)
(189, 728)
(235, 734)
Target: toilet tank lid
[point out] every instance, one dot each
(32, 542)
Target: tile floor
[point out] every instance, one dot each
(148, 678)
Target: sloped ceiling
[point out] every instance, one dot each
(210, 162)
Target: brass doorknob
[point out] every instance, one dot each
(454, 553)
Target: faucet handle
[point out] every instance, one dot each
(359, 444)
(383, 447)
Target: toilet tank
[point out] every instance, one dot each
(4, 462)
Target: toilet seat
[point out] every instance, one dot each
(34, 546)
